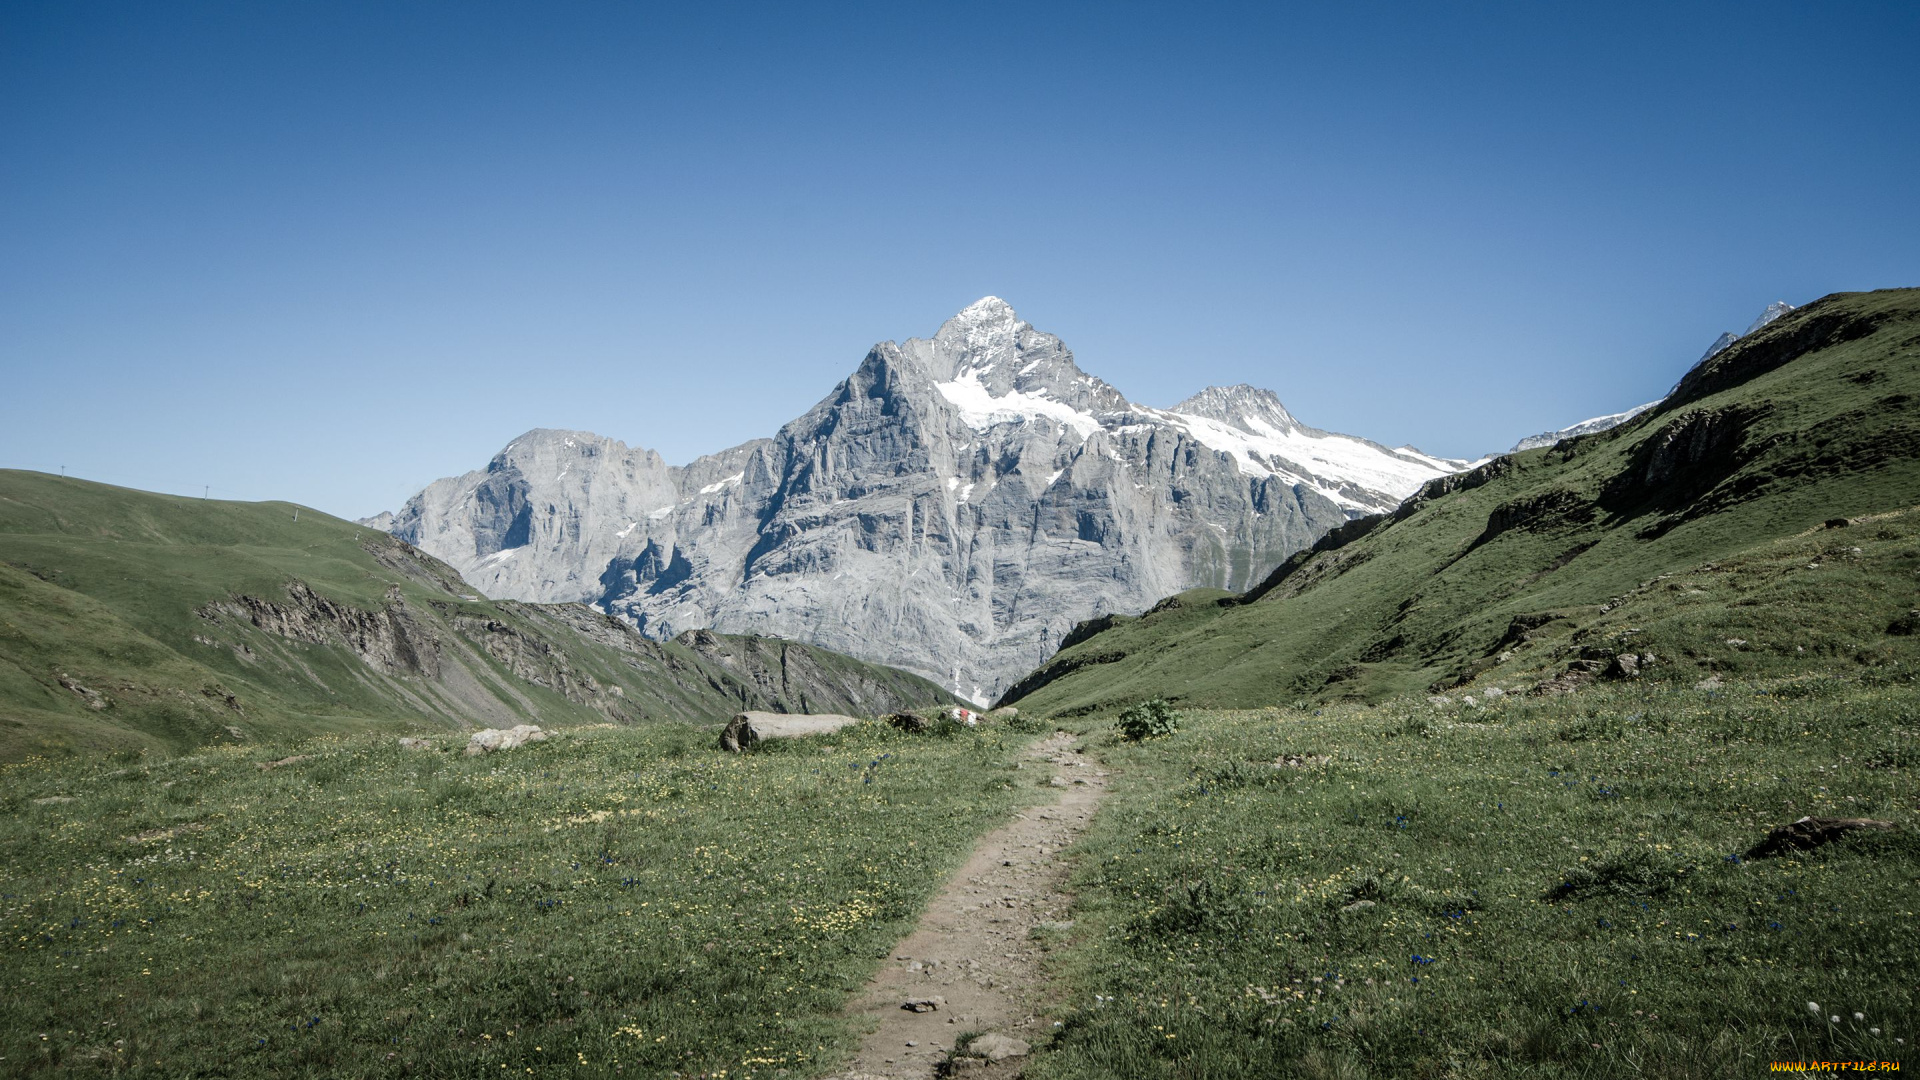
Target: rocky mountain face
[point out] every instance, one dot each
(1602, 423)
(953, 508)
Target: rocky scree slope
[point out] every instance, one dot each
(133, 620)
(953, 508)
(1760, 521)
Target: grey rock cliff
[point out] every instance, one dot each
(953, 508)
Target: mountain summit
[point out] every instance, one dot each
(954, 507)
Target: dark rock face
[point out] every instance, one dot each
(390, 640)
(953, 508)
(1545, 512)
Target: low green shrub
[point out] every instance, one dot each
(1148, 720)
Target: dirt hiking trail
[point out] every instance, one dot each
(971, 951)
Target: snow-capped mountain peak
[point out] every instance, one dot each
(954, 506)
(1248, 408)
(984, 331)
(1774, 311)
(995, 368)
(987, 309)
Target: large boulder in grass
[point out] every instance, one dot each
(747, 729)
(487, 740)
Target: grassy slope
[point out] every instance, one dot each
(1552, 889)
(104, 588)
(1401, 883)
(1826, 398)
(612, 902)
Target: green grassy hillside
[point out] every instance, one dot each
(133, 621)
(1544, 887)
(613, 902)
(1756, 522)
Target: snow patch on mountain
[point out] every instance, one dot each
(1584, 427)
(981, 409)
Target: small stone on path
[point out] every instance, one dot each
(996, 1047)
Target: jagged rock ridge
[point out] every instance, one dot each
(953, 508)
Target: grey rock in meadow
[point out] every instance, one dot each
(953, 508)
(487, 740)
(748, 729)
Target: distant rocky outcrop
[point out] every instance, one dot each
(954, 508)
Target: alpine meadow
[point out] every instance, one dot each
(958, 542)
(1481, 786)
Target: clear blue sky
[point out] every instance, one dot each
(330, 251)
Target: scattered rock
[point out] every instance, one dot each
(1058, 781)
(996, 1047)
(925, 1004)
(1300, 761)
(487, 740)
(1810, 832)
(416, 744)
(1578, 674)
(53, 800)
(1711, 682)
(1004, 712)
(747, 729)
(1358, 905)
(1737, 642)
(94, 698)
(913, 723)
(264, 766)
(1624, 666)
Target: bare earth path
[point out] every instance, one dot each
(972, 947)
